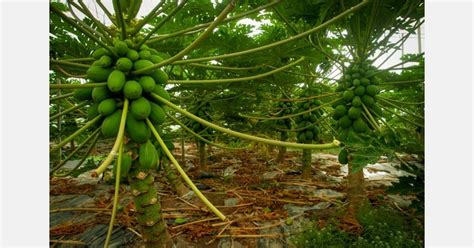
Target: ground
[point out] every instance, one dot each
(265, 201)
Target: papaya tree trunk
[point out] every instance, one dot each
(281, 149)
(148, 208)
(355, 189)
(306, 169)
(202, 156)
(177, 185)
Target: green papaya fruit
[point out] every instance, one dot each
(155, 59)
(100, 52)
(359, 126)
(345, 122)
(372, 90)
(147, 83)
(124, 166)
(159, 76)
(343, 156)
(157, 114)
(359, 90)
(124, 64)
(141, 64)
(348, 95)
(356, 101)
(98, 74)
(137, 130)
(111, 124)
(159, 90)
(121, 47)
(116, 81)
(133, 55)
(354, 113)
(132, 90)
(148, 157)
(100, 93)
(140, 108)
(144, 54)
(107, 106)
(368, 100)
(82, 94)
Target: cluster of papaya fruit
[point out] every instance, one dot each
(359, 86)
(201, 109)
(123, 82)
(308, 131)
(284, 108)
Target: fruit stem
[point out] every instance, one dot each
(401, 109)
(370, 117)
(75, 134)
(118, 141)
(99, 24)
(68, 63)
(183, 173)
(333, 144)
(79, 147)
(188, 31)
(161, 23)
(82, 104)
(403, 82)
(106, 11)
(292, 115)
(232, 80)
(200, 137)
(84, 157)
(153, 13)
(116, 195)
(227, 68)
(76, 86)
(403, 118)
(52, 99)
(195, 43)
(281, 42)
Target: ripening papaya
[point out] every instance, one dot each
(140, 108)
(111, 124)
(116, 81)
